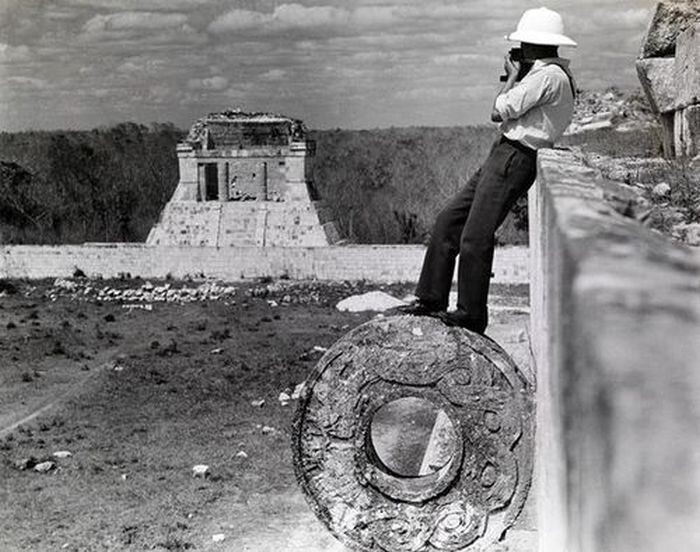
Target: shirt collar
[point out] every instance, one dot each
(543, 62)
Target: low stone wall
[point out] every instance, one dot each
(381, 263)
(616, 344)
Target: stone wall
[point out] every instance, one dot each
(615, 333)
(669, 71)
(380, 263)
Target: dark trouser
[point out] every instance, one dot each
(467, 226)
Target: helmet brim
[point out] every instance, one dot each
(542, 38)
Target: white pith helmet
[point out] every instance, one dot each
(541, 26)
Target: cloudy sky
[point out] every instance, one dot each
(333, 63)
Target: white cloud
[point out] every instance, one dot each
(387, 17)
(274, 75)
(237, 20)
(465, 60)
(134, 20)
(146, 5)
(297, 16)
(215, 83)
(284, 17)
(159, 93)
(10, 54)
(610, 19)
(141, 65)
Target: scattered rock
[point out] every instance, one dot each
(612, 108)
(320, 349)
(689, 233)
(45, 467)
(62, 454)
(216, 351)
(241, 454)
(298, 390)
(258, 403)
(268, 430)
(417, 331)
(131, 306)
(662, 189)
(142, 297)
(219, 537)
(370, 301)
(284, 398)
(201, 470)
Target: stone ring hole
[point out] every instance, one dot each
(412, 437)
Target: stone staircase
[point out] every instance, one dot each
(244, 224)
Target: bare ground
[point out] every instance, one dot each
(139, 397)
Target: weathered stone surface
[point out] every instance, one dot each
(471, 500)
(669, 20)
(686, 70)
(669, 68)
(687, 131)
(615, 326)
(656, 77)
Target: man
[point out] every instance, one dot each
(533, 113)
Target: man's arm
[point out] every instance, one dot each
(512, 68)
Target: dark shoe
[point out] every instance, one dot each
(418, 308)
(460, 319)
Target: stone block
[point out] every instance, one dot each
(686, 69)
(612, 302)
(687, 131)
(657, 78)
(669, 21)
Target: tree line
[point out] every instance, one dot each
(110, 184)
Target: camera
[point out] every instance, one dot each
(516, 54)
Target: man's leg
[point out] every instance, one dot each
(508, 174)
(439, 263)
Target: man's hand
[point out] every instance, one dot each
(511, 67)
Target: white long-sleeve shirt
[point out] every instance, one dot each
(538, 109)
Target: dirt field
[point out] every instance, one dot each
(139, 397)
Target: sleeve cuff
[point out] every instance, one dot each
(501, 106)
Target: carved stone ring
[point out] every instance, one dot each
(414, 436)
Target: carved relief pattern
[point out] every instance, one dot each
(474, 498)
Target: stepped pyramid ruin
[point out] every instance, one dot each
(245, 182)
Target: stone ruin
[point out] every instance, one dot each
(245, 181)
(669, 70)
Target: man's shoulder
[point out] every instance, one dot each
(554, 70)
(554, 75)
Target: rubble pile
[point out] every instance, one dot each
(305, 292)
(88, 290)
(611, 108)
(661, 194)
